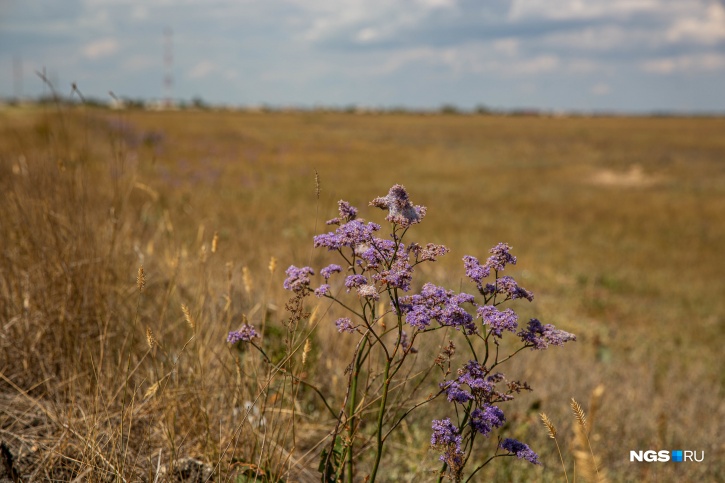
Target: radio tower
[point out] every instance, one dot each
(168, 68)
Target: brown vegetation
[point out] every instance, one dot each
(110, 372)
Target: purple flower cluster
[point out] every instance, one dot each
(521, 450)
(329, 270)
(486, 418)
(298, 279)
(381, 266)
(481, 384)
(500, 257)
(498, 320)
(475, 271)
(351, 234)
(540, 336)
(245, 334)
(344, 324)
(347, 213)
(400, 210)
(430, 253)
(322, 290)
(507, 287)
(436, 303)
(354, 281)
(446, 437)
(399, 276)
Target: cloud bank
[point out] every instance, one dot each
(629, 55)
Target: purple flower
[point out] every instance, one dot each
(401, 210)
(344, 325)
(430, 253)
(322, 290)
(482, 385)
(347, 213)
(399, 276)
(351, 234)
(508, 287)
(354, 281)
(498, 320)
(540, 336)
(378, 252)
(446, 437)
(484, 420)
(521, 450)
(500, 257)
(436, 303)
(298, 279)
(474, 374)
(455, 393)
(245, 334)
(329, 270)
(475, 271)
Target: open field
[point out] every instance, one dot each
(618, 225)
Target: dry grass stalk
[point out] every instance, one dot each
(141, 279)
(150, 339)
(552, 434)
(272, 265)
(313, 315)
(187, 316)
(247, 280)
(306, 350)
(215, 242)
(585, 461)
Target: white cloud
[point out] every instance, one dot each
(201, 69)
(367, 35)
(507, 46)
(579, 9)
(100, 48)
(600, 89)
(706, 27)
(685, 63)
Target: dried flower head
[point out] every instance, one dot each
(400, 210)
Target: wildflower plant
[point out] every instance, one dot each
(375, 268)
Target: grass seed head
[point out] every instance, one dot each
(549, 425)
(187, 316)
(215, 242)
(141, 279)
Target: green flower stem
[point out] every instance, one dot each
(353, 418)
(381, 413)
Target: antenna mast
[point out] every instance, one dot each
(168, 68)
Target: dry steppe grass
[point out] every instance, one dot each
(618, 224)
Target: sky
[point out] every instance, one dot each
(583, 55)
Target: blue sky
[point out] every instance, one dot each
(620, 55)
